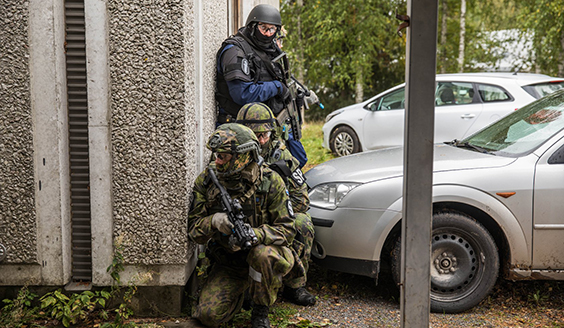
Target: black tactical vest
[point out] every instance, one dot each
(257, 67)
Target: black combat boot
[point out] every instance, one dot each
(299, 296)
(259, 317)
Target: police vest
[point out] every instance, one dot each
(250, 68)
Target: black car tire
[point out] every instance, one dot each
(465, 258)
(344, 141)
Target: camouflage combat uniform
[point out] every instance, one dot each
(276, 155)
(259, 118)
(268, 210)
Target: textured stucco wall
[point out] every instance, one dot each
(162, 107)
(148, 129)
(18, 230)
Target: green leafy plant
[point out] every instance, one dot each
(537, 297)
(73, 308)
(19, 312)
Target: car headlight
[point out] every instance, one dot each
(333, 114)
(330, 195)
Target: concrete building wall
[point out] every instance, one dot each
(150, 67)
(34, 224)
(17, 199)
(151, 107)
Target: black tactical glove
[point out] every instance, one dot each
(300, 99)
(284, 93)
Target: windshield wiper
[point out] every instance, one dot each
(468, 145)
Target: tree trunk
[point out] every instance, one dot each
(359, 94)
(561, 64)
(300, 52)
(443, 35)
(462, 35)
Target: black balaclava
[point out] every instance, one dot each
(262, 41)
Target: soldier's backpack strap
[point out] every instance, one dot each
(281, 167)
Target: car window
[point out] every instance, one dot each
(492, 93)
(454, 93)
(542, 89)
(393, 100)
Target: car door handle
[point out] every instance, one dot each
(467, 116)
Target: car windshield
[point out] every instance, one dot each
(523, 131)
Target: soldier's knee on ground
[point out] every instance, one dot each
(214, 314)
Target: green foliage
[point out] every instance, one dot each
(312, 139)
(74, 308)
(280, 316)
(546, 19)
(339, 44)
(19, 312)
(537, 297)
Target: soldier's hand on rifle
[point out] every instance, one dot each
(221, 222)
(300, 98)
(234, 245)
(284, 93)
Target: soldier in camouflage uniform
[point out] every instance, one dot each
(269, 214)
(259, 118)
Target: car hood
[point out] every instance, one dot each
(388, 163)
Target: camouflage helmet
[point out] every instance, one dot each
(258, 117)
(237, 140)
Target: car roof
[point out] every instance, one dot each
(519, 78)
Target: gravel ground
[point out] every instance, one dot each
(350, 301)
(346, 300)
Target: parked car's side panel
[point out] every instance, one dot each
(549, 214)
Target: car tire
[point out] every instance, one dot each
(464, 262)
(344, 141)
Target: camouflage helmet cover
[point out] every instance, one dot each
(232, 138)
(258, 117)
(238, 140)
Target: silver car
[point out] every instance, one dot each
(464, 103)
(497, 207)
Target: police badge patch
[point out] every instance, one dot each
(245, 66)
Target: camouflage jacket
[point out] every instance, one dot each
(265, 202)
(294, 178)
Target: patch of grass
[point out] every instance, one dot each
(312, 139)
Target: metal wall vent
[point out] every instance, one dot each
(78, 134)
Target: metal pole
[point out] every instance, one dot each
(418, 162)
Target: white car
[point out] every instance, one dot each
(465, 103)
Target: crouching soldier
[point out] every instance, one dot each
(259, 118)
(259, 265)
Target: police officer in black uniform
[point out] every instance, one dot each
(246, 73)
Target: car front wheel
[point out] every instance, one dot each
(344, 141)
(464, 262)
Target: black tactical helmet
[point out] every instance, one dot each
(265, 14)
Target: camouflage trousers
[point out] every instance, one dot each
(302, 251)
(223, 291)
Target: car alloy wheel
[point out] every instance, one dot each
(344, 141)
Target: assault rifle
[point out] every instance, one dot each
(291, 113)
(243, 233)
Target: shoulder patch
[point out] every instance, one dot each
(290, 209)
(298, 177)
(245, 66)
